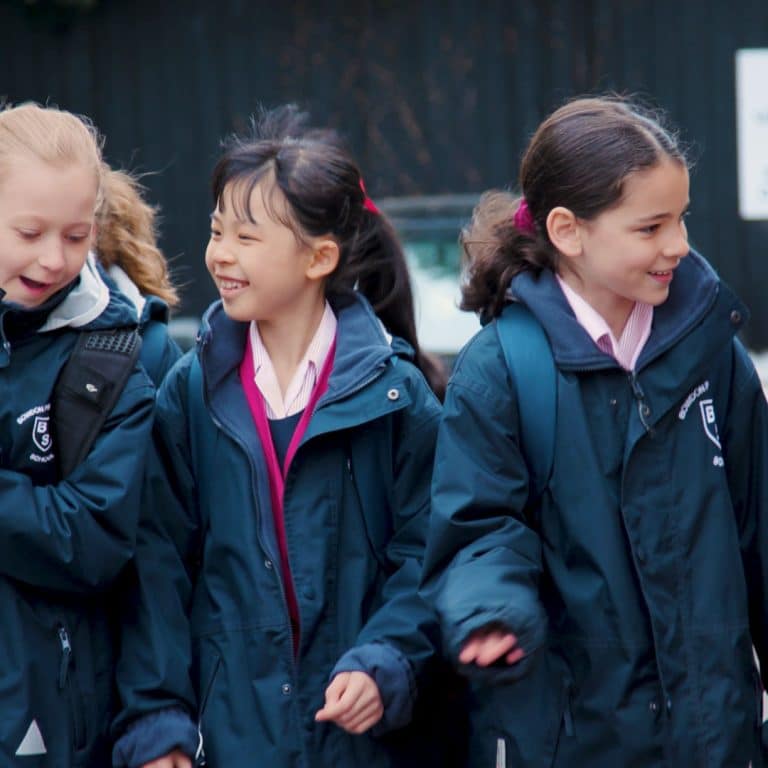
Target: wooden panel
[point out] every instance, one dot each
(435, 97)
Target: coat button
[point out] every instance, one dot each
(645, 410)
(735, 317)
(393, 394)
(653, 707)
(286, 689)
(268, 564)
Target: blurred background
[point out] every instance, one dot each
(436, 98)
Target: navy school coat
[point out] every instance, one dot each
(63, 541)
(210, 640)
(637, 583)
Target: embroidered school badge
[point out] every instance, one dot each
(707, 408)
(41, 435)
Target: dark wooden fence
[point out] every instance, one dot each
(435, 97)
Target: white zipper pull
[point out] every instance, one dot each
(66, 655)
(501, 753)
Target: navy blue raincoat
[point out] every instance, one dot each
(63, 541)
(210, 641)
(637, 582)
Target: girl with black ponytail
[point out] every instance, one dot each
(276, 619)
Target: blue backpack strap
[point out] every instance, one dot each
(532, 370)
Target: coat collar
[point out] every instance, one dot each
(362, 347)
(701, 312)
(697, 299)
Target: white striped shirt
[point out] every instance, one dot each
(627, 348)
(304, 378)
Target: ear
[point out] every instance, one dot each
(564, 232)
(324, 259)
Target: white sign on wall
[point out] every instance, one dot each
(752, 127)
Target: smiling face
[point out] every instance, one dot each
(47, 214)
(260, 268)
(629, 252)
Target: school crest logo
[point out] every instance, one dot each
(42, 439)
(708, 418)
(707, 408)
(41, 435)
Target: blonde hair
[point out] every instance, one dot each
(126, 233)
(51, 135)
(127, 236)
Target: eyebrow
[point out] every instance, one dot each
(215, 217)
(665, 215)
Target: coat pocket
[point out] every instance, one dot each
(521, 722)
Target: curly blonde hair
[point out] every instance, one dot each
(127, 235)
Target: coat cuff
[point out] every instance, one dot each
(394, 677)
(155, 735)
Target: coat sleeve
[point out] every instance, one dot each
(76, 535)
(153, 673)
(159, 351)
(483, 559)
(397, 642)
(745, 447)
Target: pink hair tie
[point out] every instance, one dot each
(368, 204)
(523, 219)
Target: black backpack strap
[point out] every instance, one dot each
(87, 389)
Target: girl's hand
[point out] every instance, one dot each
(484, 648)
(175, 759)
(353, 702)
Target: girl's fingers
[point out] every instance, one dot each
(494, 648)
(366, 720)
(334, 707)
(359, 702)
(515, 655)
(469, 651)
(364, 706)
(368, 711)
(485, 649)
(352, 698)
(175, 759)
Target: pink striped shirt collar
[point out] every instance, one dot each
(304, 379)
(627, 348)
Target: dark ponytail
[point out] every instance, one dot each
(579, 158)
(495, 250)
(375, 265)
(323, 187)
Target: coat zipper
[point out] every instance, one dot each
(200, 761)
(65, 664)
(567, 714)
(66, 656)
(643, 409)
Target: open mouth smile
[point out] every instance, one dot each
(34, 285)
(662, 276)
(229, 286)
